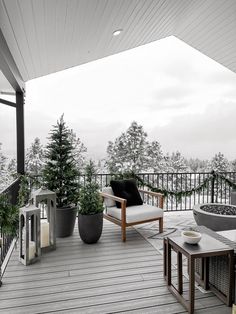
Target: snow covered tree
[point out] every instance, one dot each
(129, 150)
(80, 150)
(12, 169)
(6, 177)
(155, 161)
(233, 165)
(101, 166)
(3, 171)
(175, 163)
(34, 160)
(219, 163)
(197, 165)
(2, 159)
(8, 171)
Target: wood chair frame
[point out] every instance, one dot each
(123, 222)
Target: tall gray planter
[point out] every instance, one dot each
(65, 221)
(90, 227)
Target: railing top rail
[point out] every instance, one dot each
(189, 172)
(10, 186)
(151, 173)
(163, 173)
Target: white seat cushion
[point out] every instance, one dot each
(136, 213)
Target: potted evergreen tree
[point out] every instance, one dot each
(61, 174)
(90, 218)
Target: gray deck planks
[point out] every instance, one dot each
(80, 259)
(80, 266)
(108, 277)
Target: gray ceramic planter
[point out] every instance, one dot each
(90, 227)
(65, 221)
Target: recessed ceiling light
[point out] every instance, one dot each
(117, 32)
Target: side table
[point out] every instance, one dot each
(207, 247)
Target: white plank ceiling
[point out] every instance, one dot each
(46, 36)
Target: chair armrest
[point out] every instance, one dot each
(113, 197)
(123, 202)
(156, 194)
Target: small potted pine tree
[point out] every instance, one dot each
(61, 175)
(90, 217)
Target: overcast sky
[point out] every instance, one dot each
(183, 99)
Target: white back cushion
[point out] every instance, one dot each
(107, 201)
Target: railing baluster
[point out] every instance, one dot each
(190, 187)
(221, 189)
(167, 186)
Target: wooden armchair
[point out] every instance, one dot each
(132, 215)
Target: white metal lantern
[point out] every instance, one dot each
(29, 234)
(40, 198)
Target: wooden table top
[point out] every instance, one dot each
(206, 246)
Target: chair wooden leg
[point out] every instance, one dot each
(123, 230)
(161, 225)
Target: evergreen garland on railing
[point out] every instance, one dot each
(177, 194)
(227, 180)
(126, 175)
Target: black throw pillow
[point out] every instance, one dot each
(126, 189)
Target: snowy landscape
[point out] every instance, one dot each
(133, 152)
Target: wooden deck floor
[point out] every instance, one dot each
(107, 277)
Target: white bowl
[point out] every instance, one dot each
(191, 237)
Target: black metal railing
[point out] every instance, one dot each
(5, 239)
(215, 190)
